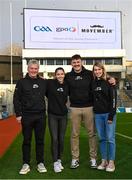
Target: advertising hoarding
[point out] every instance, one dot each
(66, 29)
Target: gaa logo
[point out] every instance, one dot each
(42, 29)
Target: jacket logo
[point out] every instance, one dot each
(60, 90)
(35, 86)
(98, 89)
(78, 78)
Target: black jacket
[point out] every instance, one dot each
(57, 97)
(105, 98)
(29, 95)
(80, 88)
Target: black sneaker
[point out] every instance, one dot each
(74, 163)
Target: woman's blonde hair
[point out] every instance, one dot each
(100, 65)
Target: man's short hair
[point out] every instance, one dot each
(76, 56)
(33, 61)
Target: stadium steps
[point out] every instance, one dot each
(123, 99)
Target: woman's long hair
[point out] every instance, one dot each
(100, 65)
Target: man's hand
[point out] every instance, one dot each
(112, 81)
(19, 119)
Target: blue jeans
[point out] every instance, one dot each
(106, 134)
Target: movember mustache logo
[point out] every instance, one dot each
(97, 26)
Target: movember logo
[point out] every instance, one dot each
(96, 29)
(96, 26)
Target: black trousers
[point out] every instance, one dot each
(36, 122)
(57, 128)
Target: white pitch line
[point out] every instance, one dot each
(122, 135)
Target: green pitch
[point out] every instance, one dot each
(10, 163)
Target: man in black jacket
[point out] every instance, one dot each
(29, 105)
(81, 108)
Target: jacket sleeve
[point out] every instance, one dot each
(67, 83)
(48, 87)
(113, 102)
(17, 99)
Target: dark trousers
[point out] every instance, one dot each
(57, 128)
(36, 122)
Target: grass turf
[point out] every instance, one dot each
(10, 163)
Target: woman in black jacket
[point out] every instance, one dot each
(57, 93)
(105, 116)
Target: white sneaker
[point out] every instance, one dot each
(60, 164)
(93, 163)
(103, 165)
(41, 168)
(74, 163)
(25, 169)
(57, 167)
(110, 167)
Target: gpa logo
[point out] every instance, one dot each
(98, 89)
(66, 29)
(78, 78)
(60, 89)
(42, 29)
(35, 86)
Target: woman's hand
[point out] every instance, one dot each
(109, 122)
(19, 119)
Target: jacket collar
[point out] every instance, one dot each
(28, 77)
(82, 71)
